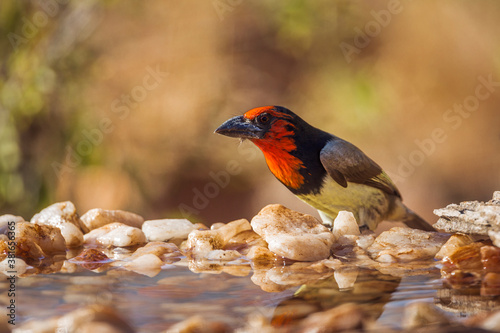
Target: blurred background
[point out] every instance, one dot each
(113, 104)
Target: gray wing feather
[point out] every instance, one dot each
(345, 162)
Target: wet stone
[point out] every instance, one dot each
(34, 241)
(405, 244)
(91, 259)
(167, 229)
(293, 235)
(62, 215)
(452, 244)
(98, 217)
(116, 234)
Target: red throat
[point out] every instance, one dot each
(276, 146)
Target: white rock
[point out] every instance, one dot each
(201, 242)
(98, 217)
(293, 235)
(63, 216)
(406, 244)
(116, 234)
(13, 266)
(345, 224)
(8, 220)
(147, 264)
(167, 229)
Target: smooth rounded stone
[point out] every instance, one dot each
(346, 278)
(147, 264)
(452, 244)
(344, 317)
(201, 242)
(34, 241)
(167, 229)
(405, 244)
(199, 324)
(63, 216)
(345, 224)
(422, 314)
(261, 254)
(98, 217)
(116, 234)
(8, 220)
(13, 266)
(159, 249)
(293, 235)
(365, 241)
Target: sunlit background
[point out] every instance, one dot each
(113, 104)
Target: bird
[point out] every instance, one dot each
(327, 172)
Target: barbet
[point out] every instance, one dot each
(323, 170)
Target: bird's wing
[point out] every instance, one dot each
(345, 162)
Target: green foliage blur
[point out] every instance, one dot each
(113, 104)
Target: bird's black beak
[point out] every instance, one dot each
(240, 127)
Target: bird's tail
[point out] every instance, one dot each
(414, 221)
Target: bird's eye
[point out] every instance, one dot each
(264, 118)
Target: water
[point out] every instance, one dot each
(152, 304)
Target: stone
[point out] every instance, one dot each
(201, 242)
(421, 314)
(8, 220)
(34, 241)
(115, 234)
(495, 237)
(91, 259)
(452, 244)
(13, 266)
(401, 244)
(63, 216)
(160, 249)
(490, 286)
(293, 235)
(147, 264)
(223, 255)
(261, 254)
(470, 217)
(98, 217)
(490, 258)
(244, 241)
(167, 229)
(345, 224)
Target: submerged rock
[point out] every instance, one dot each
(98, 217)
(63, 216)
(422, 314)
(293, 235)
(405, 244)
(116, 234)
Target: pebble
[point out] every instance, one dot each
(345, 224)
(116, 234)
(4, 222)
(36, 241)
(98, 217)
(201, 242)
(14, 266)
(293, 235)
(346, 278)
(401, 244)
(167, 229)
(63, 216)
(453, 244)
(159, 249)
(148, 264)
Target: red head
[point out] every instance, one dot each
(273, 130)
